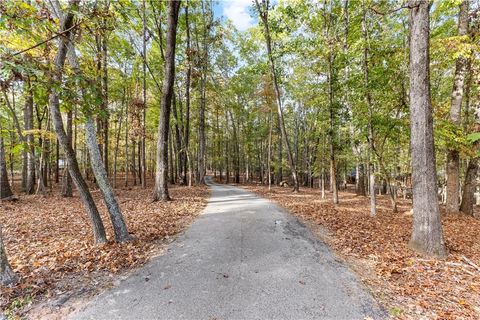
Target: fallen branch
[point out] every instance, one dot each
(470, 262)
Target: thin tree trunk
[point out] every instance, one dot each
(5, 190)
(126, 146)
(178, 140)
(28, 117)
(264, 16)
(333, 164)
(67, 179)
(427, 235)
(134, 166)
(117, 142)
(453, 156)
(186, 127)
(279, 171)
(368, 98)
(161, 176)
(269, 160)
(144, 40)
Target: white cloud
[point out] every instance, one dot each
(238, 12)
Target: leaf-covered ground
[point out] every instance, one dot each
(49, 242)
(410, 286)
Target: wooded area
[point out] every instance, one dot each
(378, 97)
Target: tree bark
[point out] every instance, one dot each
(28, 118)
(7, 276)
(361, 180)
(333, 169)
(5, 190)
(98, 228)
(186, 127)
(427, 236)
(144, 66)
(368, 99)
(178, 142)
(202, 144)
(469, 186)
(119, 226)
(453, 156)
(161, 176)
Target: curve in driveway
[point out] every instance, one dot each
(243, 258)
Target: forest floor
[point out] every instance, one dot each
(409, 286)
(49, 245)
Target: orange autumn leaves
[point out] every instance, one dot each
(49, 241)
(377, 248)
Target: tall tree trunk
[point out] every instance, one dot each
(161, 176)
(171, 157)
(427, 235)
(117, 141)
(368, 99)
(126, 146)
(144, 125)
(264, 16)
(269, 156)
(453, 156)
(202, 144)
(333, 164)
(201, 125)
(98, 229)
(178, 140)
(470, 184)
(186, 127)
(28, 118)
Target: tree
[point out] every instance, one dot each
(99, 167)
(368, 99)
(28, 119)
(427, 237)
(73, 168)
(263, 13)
(453, 156)
(5, 190)
(161, 175)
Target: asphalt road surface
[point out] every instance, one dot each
(243, 258)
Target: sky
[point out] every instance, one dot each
(236, 10)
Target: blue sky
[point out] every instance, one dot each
(239, 11)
